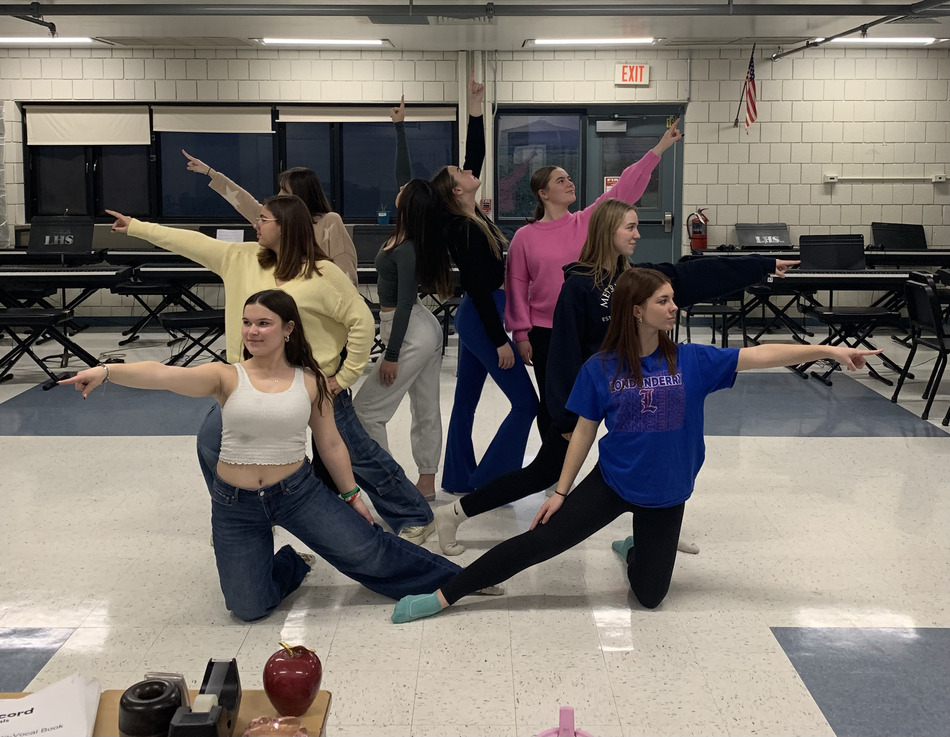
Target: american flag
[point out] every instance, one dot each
(750, 112)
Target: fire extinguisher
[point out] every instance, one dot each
(696, 226)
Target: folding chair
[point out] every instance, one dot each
(210, 323)
(378, 346)
(36, 321)
(170, 295)
(927, 330)
(852, 326)
(728, 314)
(445, 313)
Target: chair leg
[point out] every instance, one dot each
(935, 378)
(904, 372)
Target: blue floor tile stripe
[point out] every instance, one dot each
(109, 410)
(25, 650)
(875, 682)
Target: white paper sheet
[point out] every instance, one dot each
(230, 235)
(66, 708)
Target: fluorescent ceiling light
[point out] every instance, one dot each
(325, 42)
(589, 41)
(879, 40)
(37, 40)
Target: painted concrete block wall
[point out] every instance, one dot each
(854, 112)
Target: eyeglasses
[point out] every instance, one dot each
(262, 219)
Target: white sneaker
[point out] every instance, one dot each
(417, 534)
(308, 558)
(684, 546)
(496, 590)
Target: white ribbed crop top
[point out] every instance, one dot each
(265, 429)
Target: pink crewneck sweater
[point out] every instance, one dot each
(539, 252)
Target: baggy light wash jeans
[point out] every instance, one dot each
(255, 580)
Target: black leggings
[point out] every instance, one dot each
(589, 508)
(540, 339)
(537, 476)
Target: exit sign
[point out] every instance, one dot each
(632, 74)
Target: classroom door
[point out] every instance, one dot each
(618, 138)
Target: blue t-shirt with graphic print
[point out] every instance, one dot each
(654, 445)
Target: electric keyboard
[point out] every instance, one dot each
(140, 256)
(190, 273)
(935, 257)
(841, 280)
(93, 276)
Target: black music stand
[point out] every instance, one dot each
(832, 253)
(770, 237)
(850, 326)
(65, 240)
(53, 240)
(898, 237)
(763, 236)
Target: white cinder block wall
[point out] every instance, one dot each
(853, 112)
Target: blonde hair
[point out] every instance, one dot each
(599, 258)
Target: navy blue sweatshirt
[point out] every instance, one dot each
(582, 314)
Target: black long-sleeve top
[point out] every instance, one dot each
(481, 272)
(582, 314)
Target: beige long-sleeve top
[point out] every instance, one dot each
(328, 229)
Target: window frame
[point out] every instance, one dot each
(93, 155)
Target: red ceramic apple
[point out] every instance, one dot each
(292, 678)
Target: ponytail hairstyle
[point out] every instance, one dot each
(443, 184)
(418, 219)
(299, 252)
(539, 181)
(305, 184)
(600, 260)
(634, 287)
(297, 349)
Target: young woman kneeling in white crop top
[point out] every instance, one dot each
(264, 477)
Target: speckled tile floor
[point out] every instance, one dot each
(828, 531)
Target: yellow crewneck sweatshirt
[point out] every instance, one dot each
(333, 313)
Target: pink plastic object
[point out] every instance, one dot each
(565, 726)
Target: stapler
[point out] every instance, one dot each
(215, 709)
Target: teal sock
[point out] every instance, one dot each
(410, 608)
(622, 547)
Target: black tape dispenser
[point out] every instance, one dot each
(215, 709)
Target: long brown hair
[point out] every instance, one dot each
(599, 258)
(443, 184)
(297, 349)
(299, 252)
(634, 287)
(539, 181)
(305, 184)
(419, 219)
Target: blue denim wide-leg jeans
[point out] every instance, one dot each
(478, 359)
(395, 498)
(255, 580)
